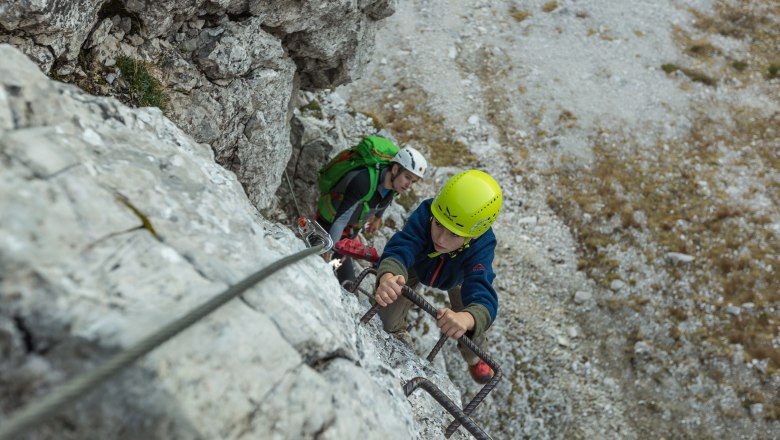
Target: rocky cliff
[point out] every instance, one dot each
(230, 69)
(118, 220)
(636, 144)
(115, 222)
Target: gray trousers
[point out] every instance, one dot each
(394, 317)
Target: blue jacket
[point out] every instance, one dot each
(471, 268)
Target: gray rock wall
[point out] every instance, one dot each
(229, 68)
(115, 222)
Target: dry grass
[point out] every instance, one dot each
(678, 313)
(683, 193)
(376, 121)
(517, 14)
(550, 6)
(408, 199)
(692, 74)
(410, 120)
(703, 48)
(732, 246)
(601, 33)
(313, 108)
(744, 20)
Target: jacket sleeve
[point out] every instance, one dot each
(477, 291)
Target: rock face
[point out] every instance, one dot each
(325, 126)
(49, 29)
(229, 68)
(631, 354)
(115, 222)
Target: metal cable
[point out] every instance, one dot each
(35, 412)
(292, 192)
(447, 404)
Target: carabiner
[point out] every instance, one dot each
(314, 234)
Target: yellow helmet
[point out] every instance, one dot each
(468, 203)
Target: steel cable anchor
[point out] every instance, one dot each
(314, 235)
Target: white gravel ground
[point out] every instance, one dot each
(554, 84)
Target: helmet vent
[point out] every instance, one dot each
(486, 205)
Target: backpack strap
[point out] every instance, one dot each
(330, 202)
(373, 175)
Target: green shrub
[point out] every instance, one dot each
(773, 70)
(145, 90)
(739, 65)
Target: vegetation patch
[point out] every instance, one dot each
(713, 195)
(684, 195)
(376, 121)
(749, 20)
(147, 224)
(517, 14)
(143, 88)
(693, 75)
(550, 6)
(408, 199)
(703, 48)
(739, 65)
(736, 254)
(313, 108)
(602, 33)
(773, 70)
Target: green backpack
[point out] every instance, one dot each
(373, 152)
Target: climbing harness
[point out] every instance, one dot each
(34, 413)
(435, 392)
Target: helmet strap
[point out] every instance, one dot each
(463, 247)
(454, 253)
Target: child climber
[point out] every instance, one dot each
(447, 243)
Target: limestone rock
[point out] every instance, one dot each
(116, 222)
(59, 28)
(237, 49)
(229, 68)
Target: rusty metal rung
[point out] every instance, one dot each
(447, 404)
(465, 340)
(439, 344)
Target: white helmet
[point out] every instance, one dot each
(412, 160)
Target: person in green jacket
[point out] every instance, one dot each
(405, 169)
